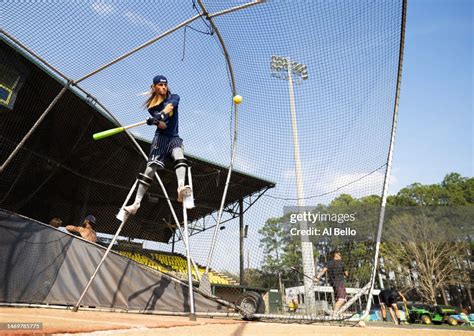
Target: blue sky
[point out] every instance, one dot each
(435, 129)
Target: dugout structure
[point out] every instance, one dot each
(323, 116)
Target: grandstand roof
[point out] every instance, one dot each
(62, 172)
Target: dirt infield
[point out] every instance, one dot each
(57, 321)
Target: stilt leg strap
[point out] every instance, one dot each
(142, 178)
(181, 163)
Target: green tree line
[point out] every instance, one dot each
(426, 244)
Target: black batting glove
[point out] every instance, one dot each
(161, 116)
(151, 121)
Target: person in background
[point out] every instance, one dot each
(388, 298)
(86, 230)
(336, 273)
(55, 222)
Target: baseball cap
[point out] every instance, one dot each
(91, 219)
(160, 79)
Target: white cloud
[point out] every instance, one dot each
(140, 20)
(102, 8)
(358, 184)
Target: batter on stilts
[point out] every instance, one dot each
(163, 108)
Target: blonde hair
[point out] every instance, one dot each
(152, 94)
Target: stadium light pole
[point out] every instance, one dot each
(286, 69)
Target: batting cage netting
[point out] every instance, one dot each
(297, 170)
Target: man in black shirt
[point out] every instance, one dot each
(388, 298)
(336, 273)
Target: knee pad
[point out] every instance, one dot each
(181, 163)
(145, 180)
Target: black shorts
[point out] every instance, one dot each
(340, 291)
(161, 147)
(388, 297)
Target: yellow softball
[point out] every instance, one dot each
(238, 99)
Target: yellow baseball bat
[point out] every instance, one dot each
(113, 131)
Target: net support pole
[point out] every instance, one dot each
(241, 242)
(178, 225)
(34, 127)
(306, 245)
(388, 171)
(192, 312)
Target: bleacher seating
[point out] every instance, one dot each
(176, 265)
(179, 264)
(144, 260)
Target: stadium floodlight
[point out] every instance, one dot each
(284, 68)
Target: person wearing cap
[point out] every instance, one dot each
(86, 230)
(163, 107)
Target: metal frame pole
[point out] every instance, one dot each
(192, 312)
(76, 306)
(389, 158)
(178, 225)
(306, 245)
(241, 242)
